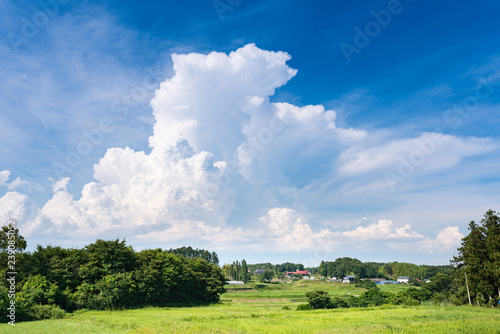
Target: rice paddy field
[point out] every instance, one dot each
(263, 309)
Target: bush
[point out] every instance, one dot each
(366, 284)
(84, 296)
(285, 308)
(375, 297)
(410, 297)
(116, 291)
(38, 290)
(319, 299)
(337, 302)
(41, 312)
(304, 307)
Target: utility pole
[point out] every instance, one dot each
(467, 284)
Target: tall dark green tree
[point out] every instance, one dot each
(244, 271)
(477, 263)
(491, 223)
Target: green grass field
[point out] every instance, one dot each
(260, 311)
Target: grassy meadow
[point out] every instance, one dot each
(259, 309)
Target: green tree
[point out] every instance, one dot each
(267, 275)
(105, 258)
(491, 223)
(244, 271)
(210, 280)
(58, 265)
(439, 283)
(11, 236)
(38, 290)
(477, 263)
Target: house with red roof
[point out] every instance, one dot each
(298, 272)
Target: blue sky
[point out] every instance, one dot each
(247, 128)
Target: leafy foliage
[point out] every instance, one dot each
(479, 261)
(189, 252)
(319, 299)
(304, 307)
(108, 275)
(266, 276)
(347, 266)
(366, 284)
(10, 236)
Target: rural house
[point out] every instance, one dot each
(403, 279)
(348, 279)
(298, 272)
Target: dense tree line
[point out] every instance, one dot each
(241, 271)
(477, 265)
(287, 266)
(107, 275)
(341, 267)
(237, 271)
(198, 253)
(395, 269)
(346, 266)
(265, 266)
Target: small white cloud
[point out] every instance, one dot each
(4, 177)
(12, 205)
(16, 184)
(447, 239)
(383, 229)
(61, 184)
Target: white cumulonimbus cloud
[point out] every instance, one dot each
(215, 133)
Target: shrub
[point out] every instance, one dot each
(304, 307)
(337, 302)
(116, 291)
(366, 284)
(374, 297)
(40, 312)
(84, 296)
(38, 290)
(319, 299)
(410, 297)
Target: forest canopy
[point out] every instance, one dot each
(108, 275)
